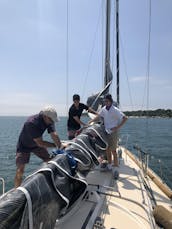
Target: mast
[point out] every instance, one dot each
(117, 51)
(96, 100)
(107, 45)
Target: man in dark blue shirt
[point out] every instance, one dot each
(74, 123)
(30, 139)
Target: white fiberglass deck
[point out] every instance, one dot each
(120, 204)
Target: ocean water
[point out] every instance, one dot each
(153, 135)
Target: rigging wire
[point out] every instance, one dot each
(147, 133)
(148, 56)
(113, 47)
(146, 88)
(67, 55)
(123, 57)
(148, 73)
(103, 43)
(91, 53)
(117, 56)
(126, 71)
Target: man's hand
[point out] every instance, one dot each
(90, 122)
(64, 145)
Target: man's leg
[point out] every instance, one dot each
(42, 153)
(115, 158)
(21, 160)
(113, 138)
(109, 156)
(71, 134)
(19, 175)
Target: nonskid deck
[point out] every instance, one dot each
(125, 203)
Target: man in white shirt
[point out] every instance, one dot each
(113, 120)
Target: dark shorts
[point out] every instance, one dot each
(112, 140)
(23, 158)
(72, 133)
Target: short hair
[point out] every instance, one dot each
(109, 97)
(76, 97)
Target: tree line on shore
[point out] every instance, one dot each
(151, 113)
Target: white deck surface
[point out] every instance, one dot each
(126, 204)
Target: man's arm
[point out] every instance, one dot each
(124, 119)
(92, 111)
(79, 121)
(56, 139)
(94, 119)
(41, 143)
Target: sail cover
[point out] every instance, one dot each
(52, 190)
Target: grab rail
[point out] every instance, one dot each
(123, 140)
(144, 159)
(3, 185)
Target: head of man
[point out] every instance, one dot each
(76, 100)
(108, 101)
(49, 114)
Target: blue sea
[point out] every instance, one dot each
(153, 135)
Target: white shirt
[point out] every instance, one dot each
(112, 117)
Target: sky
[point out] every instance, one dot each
(52, 49)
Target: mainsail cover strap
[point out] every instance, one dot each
(85, 143)
(74, 178)
(29, 202)
(97, 129)
(83, 151)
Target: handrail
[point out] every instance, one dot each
(122, 138)
(3, 184)
(144, 159)
(153, 176)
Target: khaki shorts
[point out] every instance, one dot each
(112, 140)
(23, 158)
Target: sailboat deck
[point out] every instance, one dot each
(116, 204)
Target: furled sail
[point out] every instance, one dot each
(51, 192)
(96, 100)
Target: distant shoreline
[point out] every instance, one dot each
(148, 117)
(159, 113)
